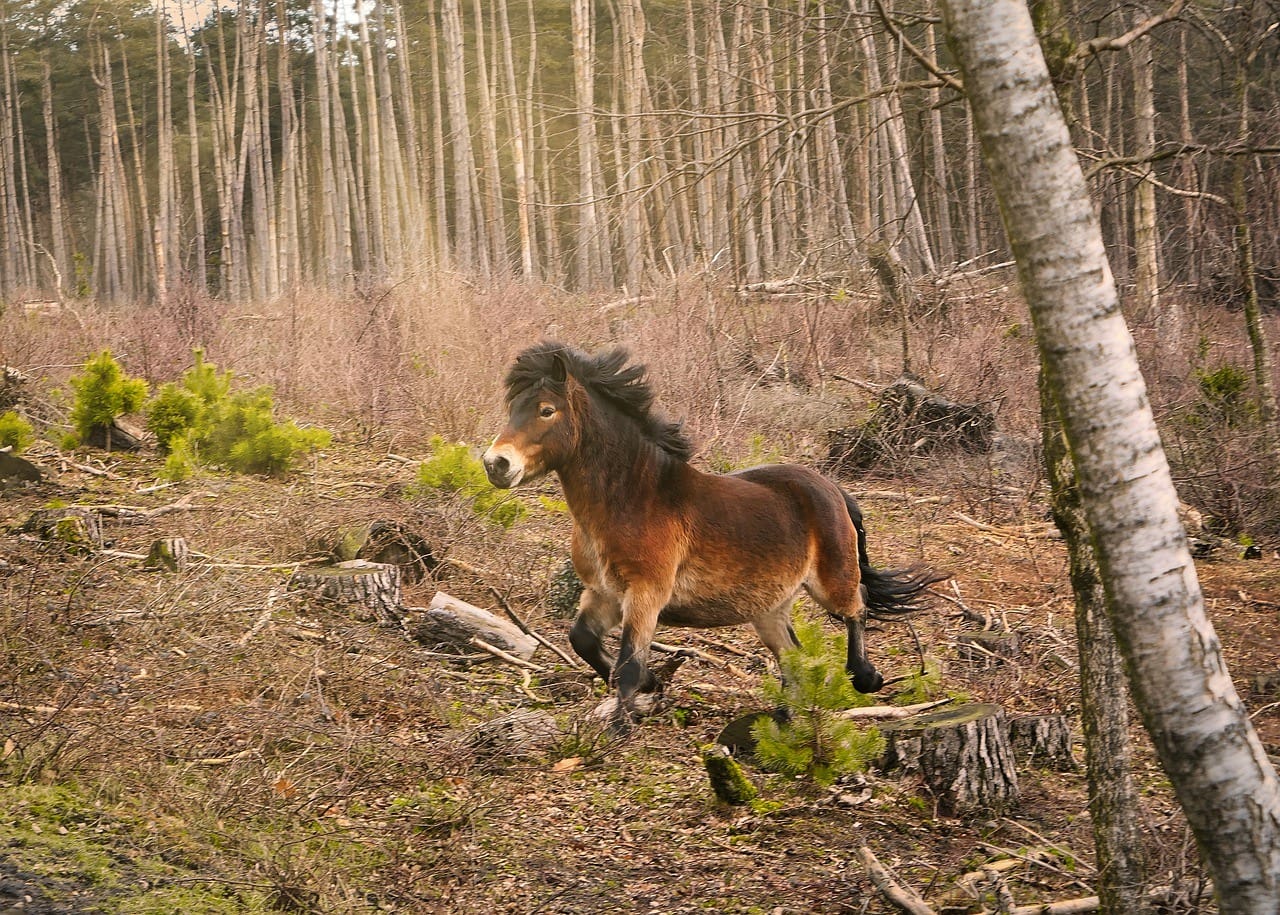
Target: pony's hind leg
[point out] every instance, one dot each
(845, 602)
(598, 613)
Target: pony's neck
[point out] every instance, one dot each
(616, 464)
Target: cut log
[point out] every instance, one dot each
(910, 420)
(12, 383)
(1043, 741)
(963, 754)
(370, 590)
(169, 554)
(449, 624)
(73, 527)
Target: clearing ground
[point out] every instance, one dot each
(208, 741)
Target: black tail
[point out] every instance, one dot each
(889, 592)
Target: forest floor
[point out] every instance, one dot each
(207, 741)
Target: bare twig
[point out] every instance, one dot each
(896, 893)
(265, 617)
(505, 656)
(529, 631)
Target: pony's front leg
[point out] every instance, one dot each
(631, 675)
(865, 677)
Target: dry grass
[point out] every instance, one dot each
(176, 758)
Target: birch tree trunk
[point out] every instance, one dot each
(592, 241)
(1200, 728)
(57, 204)
(1104, 692)
(1146, 233)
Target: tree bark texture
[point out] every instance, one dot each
(1200, 728)
(962, 753)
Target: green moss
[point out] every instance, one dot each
(728, 781)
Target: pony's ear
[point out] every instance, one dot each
(559, 367)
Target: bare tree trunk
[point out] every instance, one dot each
(592, 241)
(332, 248)
(1146, 233)
(1200, 728)
(519, 146)
(937, 141)
(166, 228)
(465, 192)
(57, 203)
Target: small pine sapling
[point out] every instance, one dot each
(814, 740)
(453, 469)
(103, 392)
(16, 433)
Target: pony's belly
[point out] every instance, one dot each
(706, 614)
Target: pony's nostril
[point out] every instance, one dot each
(499, 465)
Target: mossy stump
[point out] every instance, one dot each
(72, 527)
(728, 781)
(370, 591)
(382, 541)
(963, 754)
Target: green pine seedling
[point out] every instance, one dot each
(452, 469)
(102, 392)
(814, 741)
(15, 432)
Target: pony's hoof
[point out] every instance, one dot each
(868, 682)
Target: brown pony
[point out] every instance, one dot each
(657, 541)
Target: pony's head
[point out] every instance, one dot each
(550, 388)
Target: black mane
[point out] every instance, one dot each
(607, 375)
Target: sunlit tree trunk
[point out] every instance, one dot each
(1201, 730)
(1146, 233)
(520, 138)
(592, 242)
(57, 211)
(465, 191)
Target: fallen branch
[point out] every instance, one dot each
(515, 618)
(896, 893)
(265, 617)
(505, 656)
(701, 656)
(1049, 532)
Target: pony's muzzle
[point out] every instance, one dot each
(500, 469)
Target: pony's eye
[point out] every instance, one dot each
(547, 411)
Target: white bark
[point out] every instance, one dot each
(1199, 726)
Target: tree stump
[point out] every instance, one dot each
(519, 733)
(370, 589)
(450, 624)
(169, 554)
(73, 527)
(962, 753)
(1044, 741)
(383, 541)
(564, 590)
(17, 468)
